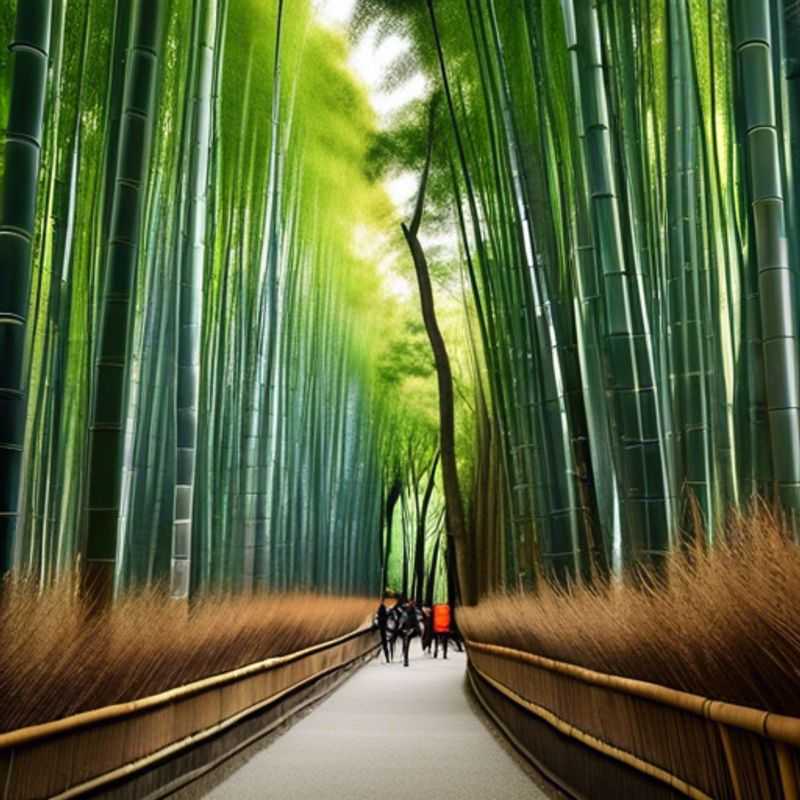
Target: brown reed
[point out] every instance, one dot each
(56, 661)
(723, 623)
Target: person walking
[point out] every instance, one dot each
(441, 628)
(427, 629)
(409, 628)
(383, 619)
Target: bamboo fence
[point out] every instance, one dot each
(600, 735)
(96, 751)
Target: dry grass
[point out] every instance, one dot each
(723, 624)
(55, 662)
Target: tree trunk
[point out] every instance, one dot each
(456, 527)
(419, 554)
(430, 589)
(391, 502)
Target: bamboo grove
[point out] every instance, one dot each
(204, 383)
(186, 381)
(622, 177)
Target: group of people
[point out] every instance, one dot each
(405, 620)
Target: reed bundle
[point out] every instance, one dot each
(721, 623)
(56, 661)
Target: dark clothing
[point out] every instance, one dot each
(409, 628)
(408, 620)
(406, 646)
(427, 632)
(383, 618)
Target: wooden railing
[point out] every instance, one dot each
(188, 728)
(588, 729)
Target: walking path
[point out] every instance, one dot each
(388, 733)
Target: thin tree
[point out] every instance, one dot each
(393, 495)
(430, 586)
(419, 547)
(456, 526)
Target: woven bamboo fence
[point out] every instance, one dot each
(93, 752)
(600, 735)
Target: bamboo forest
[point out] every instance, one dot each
(400, 397)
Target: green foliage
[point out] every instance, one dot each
(255, 324)
(405, 357)
(612, 223)
(600, 163)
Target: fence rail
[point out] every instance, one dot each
(682, 744)
(94, 751)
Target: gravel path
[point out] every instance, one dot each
(388, 733)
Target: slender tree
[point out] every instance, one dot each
(430, 586)
(456, 524)
(419, 546)
(392, 496)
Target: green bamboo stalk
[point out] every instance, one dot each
(191, 301)
(685, 311)
(24, 129)
(647, 502)
(106, 431)
(754, 46)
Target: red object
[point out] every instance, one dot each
(441, 618)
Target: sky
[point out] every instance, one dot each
(369, 60)
(336, 12)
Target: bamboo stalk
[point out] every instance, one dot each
(113, 355)
(788, 771)
(730, 762)
(754, 45)
(23, 146)
(190, 302)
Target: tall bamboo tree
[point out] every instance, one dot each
(23, 143)
(754, 43)
(191, 294)
(128, 197)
